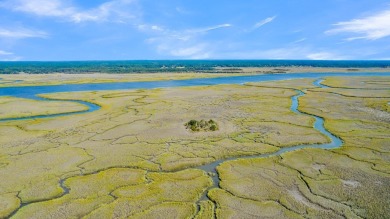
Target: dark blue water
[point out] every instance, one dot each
(32, 91)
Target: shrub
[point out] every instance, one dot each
(213, 127)
(201, 125)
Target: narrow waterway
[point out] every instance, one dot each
(335, 142)
(90, 108)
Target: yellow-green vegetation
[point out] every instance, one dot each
(201, 125)
(311, 183)
(358, 82)
(145, 128)
(142, 129)
(350, 182)
(287, 85)
(231, 206)
(12, 107)
(124, 192)
(133, 158)
(36, 174)
(163, 194)
(10, 80)
(60, 78)
(8, 203)
(206, 211)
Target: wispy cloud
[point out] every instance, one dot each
(197, 51)
(275, 53)
(207, 29)
(195, 31)
(182, 10)
(325, 56)
(370, 28)
(290, 52)
(38, 7)
(150, 28)
(2, 53)
(299, 41)
(263, 22)
(186, 43)
(13, 59)
(112, 10)
(15, 34)
(8, 56)
(22, 33)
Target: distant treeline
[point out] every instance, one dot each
(150, 66)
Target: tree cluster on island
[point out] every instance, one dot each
(202, 125)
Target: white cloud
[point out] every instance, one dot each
(291, 52)
(38, 7)
(181, 44)
(207, 29)
(299, 41)
(263, 22)
(11, 59)
(190, 47)
(277, 53)
(370, 28)
(8, 56)
(284, 53)
(193, 52)
(325, 56)
(181, 10)
(2, 53)
(22, 33)
(156, 28)
(146, 27)
(116, 10)
(182, 33)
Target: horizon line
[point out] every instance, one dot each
(195, 60)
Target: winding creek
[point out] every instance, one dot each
(334, 141)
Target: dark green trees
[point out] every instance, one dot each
(201, 125)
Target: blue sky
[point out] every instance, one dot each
(189, 29)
